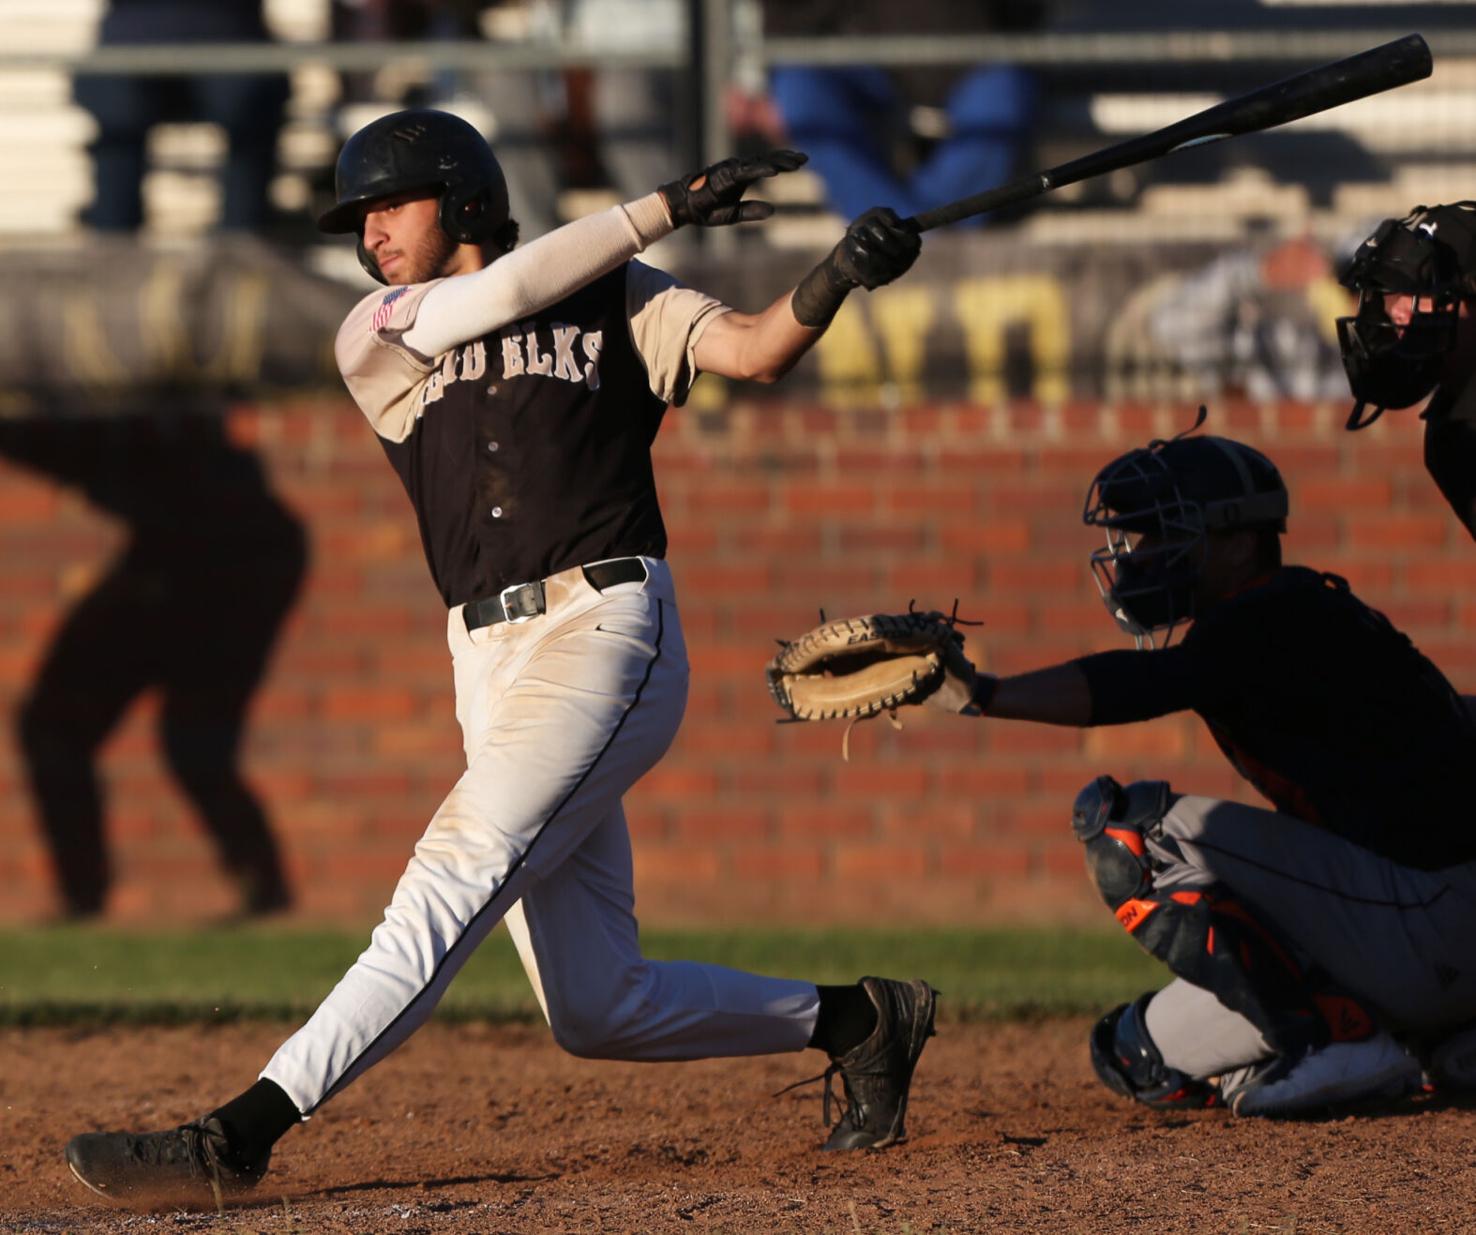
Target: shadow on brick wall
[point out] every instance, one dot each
(191, 608)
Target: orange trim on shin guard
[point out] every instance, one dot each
(1133, 913)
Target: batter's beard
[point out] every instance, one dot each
(426, 259)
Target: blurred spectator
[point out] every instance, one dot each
(633, 110)
(247, 106)
(375, 21)
(856, 123)
(1256, 323)
(526, 107)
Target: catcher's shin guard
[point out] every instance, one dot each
(1128, 1062)
(1204, 936)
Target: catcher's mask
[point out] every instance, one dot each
(1159, 504)
(1424, 255)
(421, 149)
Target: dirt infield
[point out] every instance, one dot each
(474, 1129)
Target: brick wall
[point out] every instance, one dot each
(776, 509)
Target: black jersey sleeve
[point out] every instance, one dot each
(1450, 451)
(1130, 686)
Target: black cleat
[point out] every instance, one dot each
(877, 1074)
(190, 1163)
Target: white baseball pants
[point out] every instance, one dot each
(560, 715)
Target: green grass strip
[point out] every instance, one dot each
(82, 975)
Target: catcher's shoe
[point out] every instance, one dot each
(877, 1074)
(191, 1162)
(1376, 1067)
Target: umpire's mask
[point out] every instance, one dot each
(1423, 256)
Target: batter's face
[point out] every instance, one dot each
(403, 234)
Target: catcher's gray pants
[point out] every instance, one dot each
(560, 716)
(1397, 938)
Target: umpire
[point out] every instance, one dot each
(1414, 338)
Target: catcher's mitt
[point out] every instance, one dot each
(859, 667)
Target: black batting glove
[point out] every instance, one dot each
(713, 197)
(877, 248)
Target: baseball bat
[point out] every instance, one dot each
(1330, 85)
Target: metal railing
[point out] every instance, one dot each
(714, 45)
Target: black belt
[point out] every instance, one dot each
(522, 601)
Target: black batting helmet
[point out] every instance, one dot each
(1430, 255)
(1177, 493)
(421, 149)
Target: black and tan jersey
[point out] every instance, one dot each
(528, 450)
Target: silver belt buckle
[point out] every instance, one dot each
(507, 612)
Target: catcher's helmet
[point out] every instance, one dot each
(1168, 497)
(1430, 254)
(420, 149)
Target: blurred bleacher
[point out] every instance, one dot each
(1324, 176)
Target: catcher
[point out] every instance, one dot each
(1317, 947)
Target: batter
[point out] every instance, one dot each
(517, 394)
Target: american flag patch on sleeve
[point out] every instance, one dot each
(386, 310)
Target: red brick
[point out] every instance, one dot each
(1373, 581)
(995, 536)
(879, 862)
(1316, 418)
(789, 863)
(811, 822)
(932, 584)
(1342, 494)
(1063, 860)
(1446, 576)
(921, 421)
(920, 823)
(746, 659)
(943, 500)
(881, 781)
(719, 826)
(1025, 738)
(1000, 461)
(685, 540)
(679, 780)
(1391, 531)
(1415, 614)
(367, 704)
(684, 864)
(820, 579)
(26, 503)
(746, 741)
(889, 539)
(884, 460)
(831, 500)
(775, 540)
(985, 862)
(987, 781)
(1161, 739)
(727, 579)
(729, 498)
